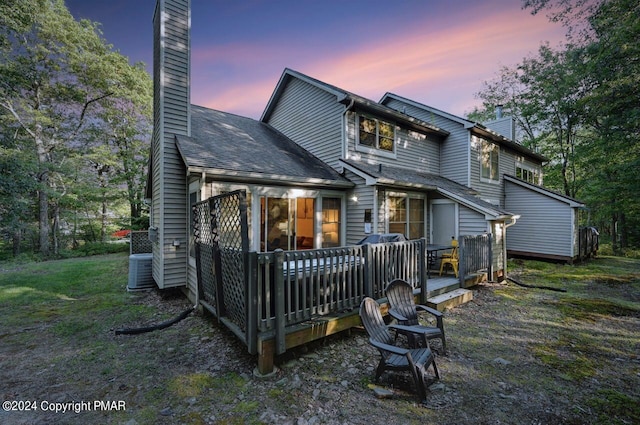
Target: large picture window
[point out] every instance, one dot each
(376, 134)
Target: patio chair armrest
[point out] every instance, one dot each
(390, 348)
(397, 315)
(417, 330)
(430, 310)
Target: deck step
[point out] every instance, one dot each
(441, 285)
(450, 299)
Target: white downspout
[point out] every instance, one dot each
(506, 225)
(345, 129)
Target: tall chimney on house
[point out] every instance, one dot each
(498, 112)
(171, 117)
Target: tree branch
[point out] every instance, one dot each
(6, 104)
(85, 107)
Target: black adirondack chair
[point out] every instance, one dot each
(394, 358)
(403, 308)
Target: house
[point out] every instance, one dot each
(323, 167)
(508, 175)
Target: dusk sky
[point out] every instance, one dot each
(432, 51)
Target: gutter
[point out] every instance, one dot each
(261, 178)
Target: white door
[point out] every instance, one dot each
(444, 220)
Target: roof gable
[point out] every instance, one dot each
(350, 100)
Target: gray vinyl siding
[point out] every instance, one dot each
(413, 150)
(471, 222)
(355, 210)
(454, 152)
(503, 126)
(171, 110)
(507, 166)
(312, 118)
(546, 225)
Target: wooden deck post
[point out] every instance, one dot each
(368, 270)
(423, 265)
(251, 300)
(278, 283)
(266, 357)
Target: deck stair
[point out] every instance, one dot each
(450, 299)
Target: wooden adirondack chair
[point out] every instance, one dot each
(394, 358)
(403, 308)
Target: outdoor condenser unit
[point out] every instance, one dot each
(140, 273)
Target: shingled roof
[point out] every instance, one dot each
(240, 148)
(408, 179)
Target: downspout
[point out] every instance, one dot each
(203, 183)
(345, 138)
(506, 225)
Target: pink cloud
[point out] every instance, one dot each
(439, 67)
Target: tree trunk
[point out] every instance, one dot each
(43, 192)
(43, 216)
(56, 229)
(614, 233)
(622, 230)
(17, 238)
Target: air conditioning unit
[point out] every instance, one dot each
(140, 272)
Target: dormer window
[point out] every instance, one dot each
(376, 134)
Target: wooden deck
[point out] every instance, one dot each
(443, 292)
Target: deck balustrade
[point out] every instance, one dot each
(277, 300)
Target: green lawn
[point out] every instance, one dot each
(57, 342)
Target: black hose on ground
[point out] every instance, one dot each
(135, 331)
(535, 286)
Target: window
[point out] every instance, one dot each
(287, 224)
(416, 218)
(331, 222)
(376, 134)
(398, 215)
(489, 160)
(408, 222)
(527, 173)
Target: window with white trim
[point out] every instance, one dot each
(489, 161)
(527, 172)
(408, 221)
(376, 134)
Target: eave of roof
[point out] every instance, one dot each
(411, 179)
(350, 99)
(574, 203)
(472, 126)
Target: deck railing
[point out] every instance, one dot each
(294, 286)
(266, 297)
(475, 255)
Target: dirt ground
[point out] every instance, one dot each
(197, 372)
